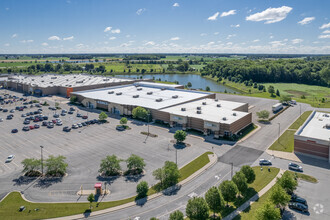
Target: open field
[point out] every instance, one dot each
(286, 141)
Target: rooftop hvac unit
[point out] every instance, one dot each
(326, 115)
(106, 79)
(159, 100)
(111, 92)
(234, 114)
(51, 82)
(175, 96)
(74, 77)
(163, 88)
(42, 81)
(54, 77)
(199, 108)
(183, 109)
(139, 89)
(67, 80)
(149, 93)
(216, 100)
(204, 103)
(224, 118)
(218, 105)
(327, 126)
(135, 96)
(119, 93)
(199, 112)
(32, 79)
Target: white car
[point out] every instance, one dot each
(79, 125)
(10, 158)
(1, 120)
(264, 162)
(296, 167)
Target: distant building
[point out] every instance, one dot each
(313, 137)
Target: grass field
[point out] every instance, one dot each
(304, 177)
(10, 205)
(286, 141)
(118, 67)
(15, 64)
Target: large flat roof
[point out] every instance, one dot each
(147, 95)
(315, 126)
(72, 80)
(162, 85)
(213, 110)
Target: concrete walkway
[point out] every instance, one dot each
(283, 155)
(254, 198)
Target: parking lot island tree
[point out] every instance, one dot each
(176, 215)
(214, 200)
(110, 166)
(264, 114)
(279, 197)
(90, 199)
(103, 116)
(241, 182)
(140, 113)
(288, 182)
(168, 175)
(135, 164)
(142, 189)
(249, 173)
(31, 166)
(56, 166)
(180, 136)
(228, 190)
(268, 212)
(197, 209)
(285, 99)
(123, 121)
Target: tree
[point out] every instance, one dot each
(142, 189)
(264, 114)
(240, 180)
(56, 166)
(249, 173)
(123, 121)
(285, 99)
(207, 88)
(154, 218)
(31, 165)
(288, 182)
(228, 190)
(268, 212)
(140, 113)
(73, 99)
(176, 215)
(214, 200)
(110, 165)
(278, 92)
(103, 116)
(135, 162)
(57, 104)
(180, 136)
(197, 209)
(168, 175)
(189, 85)
(271, 90)
(90, 199)
(279, 197)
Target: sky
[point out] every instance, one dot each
(161, 26)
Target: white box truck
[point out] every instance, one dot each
(277, 107)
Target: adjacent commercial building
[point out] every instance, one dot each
(177, 107)
(313, 137)
(60, 84)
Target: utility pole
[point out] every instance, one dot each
(279, 131)
(42, 162)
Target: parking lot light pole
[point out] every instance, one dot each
(279, 131)
(42, 162)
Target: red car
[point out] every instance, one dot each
(31, 127)
(54, 121)
(84, 117)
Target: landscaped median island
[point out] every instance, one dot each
(9, 207)
(286, 141)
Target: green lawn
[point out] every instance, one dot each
(10, 205)
(286, 141)
(119, 67)
(304, 177)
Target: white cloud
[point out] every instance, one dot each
(286, 39)
(26, 41)
(256, 40)
(107, 29)
(128, 36)
(270, 15)
(216, 33)
(176, 4)
(306, 20)
(203, 34)
(175, 38)
(297, 41)
(115, 31)
(140, 11)
(230, 43)
(326, 32)
(213, 17)
(44, 44)
(277, 43)
(129, 43)
(7, 9)
(112, 38)
(210, 43)
(7, 45)
(54, 38)
(68, 38)
(235, 26)
(271, 37)
(79, 45)
(227, 13)
(327, 36)
(324, 26)
(150, 43)
(14, 36)
(231, 35)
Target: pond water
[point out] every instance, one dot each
(197, 81)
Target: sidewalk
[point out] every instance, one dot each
(283, 155)
(213, 159)
(254, 198)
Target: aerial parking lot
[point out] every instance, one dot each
(83, 147)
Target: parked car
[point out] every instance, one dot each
(1, 120)
(79, 115)
(31, 127)
(45, 117)
(64, 111)
(14, 130)
(67, 129)
(75, 126)
(12, 110)
(70, 112)
(296, 167)
(59, 123)
(5, 110)
(44, 123)
(10, 158)
(9, 117)
(26, 122)
(79, 125)
(264, 162)
(63, 114)
(23, 115)
(84, 124)
(295, 198)
(72, 109)
(50, 125)
(120, 128)
(84, 117)
(36, 126)
(26, 128)
(56, 115)
(298, 206)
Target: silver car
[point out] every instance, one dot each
(264, 162)
(296, 167)
(10, 158)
